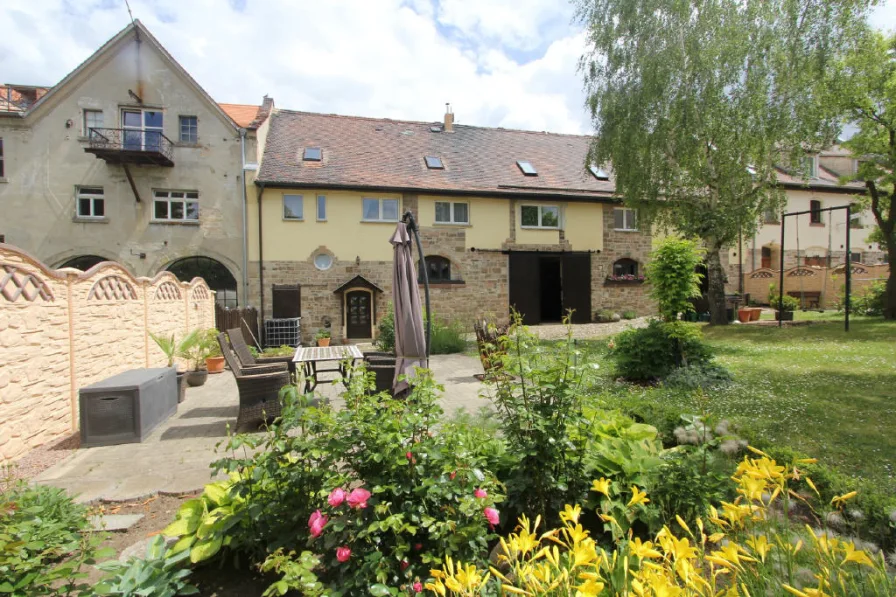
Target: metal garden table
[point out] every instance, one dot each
(308, 358)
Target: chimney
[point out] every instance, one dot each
(449, 119)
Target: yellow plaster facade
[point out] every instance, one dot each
(488, 227)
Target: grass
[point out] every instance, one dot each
(816, 389)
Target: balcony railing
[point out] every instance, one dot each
(130, 146)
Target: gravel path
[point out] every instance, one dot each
(43, 457)
(584, 331)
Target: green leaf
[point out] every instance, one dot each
(205, 549)
(381, 590)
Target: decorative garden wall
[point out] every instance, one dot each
(61, 330)
(824, 283)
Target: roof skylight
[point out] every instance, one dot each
(434, 162)
(527, 168)
(598, 172)
(312, 154)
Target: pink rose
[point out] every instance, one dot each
(316, 523)
(337, 496)
(418, 587)
(492, 516)
(452, 475)
(358, 498)
(343, 554)
(480, 493)
(409, 456)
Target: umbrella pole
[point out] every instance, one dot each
(408, 218)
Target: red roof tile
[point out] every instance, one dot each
(242, 114)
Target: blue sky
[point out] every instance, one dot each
(508, 63)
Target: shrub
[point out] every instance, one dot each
(868, 301)
(410, 493)
(672, 275)
(158, 574)
(607, 315)
(279, 351)
(385, 330)
(700, 375)
(740, 549)
(539, 404)
(657, 350)
(629, 314)
(45, 542)
(447, 338)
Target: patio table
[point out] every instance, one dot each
(308, 357)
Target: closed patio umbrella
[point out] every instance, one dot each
(410, 340)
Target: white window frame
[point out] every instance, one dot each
(317, 208)
(813, 165)
(87, 127)
(85, 193)
(142, 129)
(301, 217)
(451, 220)
(380, 201)
(180, 128)
(627, 226)
(541, 209)
(170, 200)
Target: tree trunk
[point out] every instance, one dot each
(890, 295)
(715, 276)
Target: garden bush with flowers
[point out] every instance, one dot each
(748, 546)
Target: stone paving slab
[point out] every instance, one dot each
(114, 522)
(175, 458)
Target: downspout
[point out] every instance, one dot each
(245, 218)
(260, 266)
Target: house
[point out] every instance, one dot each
(507, 218)
(129, 159)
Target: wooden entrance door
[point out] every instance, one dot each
(358, 317)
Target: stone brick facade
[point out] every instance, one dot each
(61, 330)
(620, 296)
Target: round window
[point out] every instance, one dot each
(323, 261)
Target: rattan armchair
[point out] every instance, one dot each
(259, 387)
(241, 348)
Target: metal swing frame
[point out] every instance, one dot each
(848, 266)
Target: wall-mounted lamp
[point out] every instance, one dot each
(69, 124)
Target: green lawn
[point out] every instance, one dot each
(816, 389)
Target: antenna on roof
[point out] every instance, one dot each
(130, 14)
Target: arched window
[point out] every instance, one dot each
(83, 262)
(438, 268)
(215, 274)
(625, 267)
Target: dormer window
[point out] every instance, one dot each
(809, 166)
(434, 162)
(312, 154)
(598, 172)
(527, 168)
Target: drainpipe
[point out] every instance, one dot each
(260, 266)
(245, 218)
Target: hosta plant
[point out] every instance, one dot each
(158, 574)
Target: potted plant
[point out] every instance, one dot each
(788, 306)
(744, 314)
(195, 353)
(214, 360)
(323, 337)
(172, 348)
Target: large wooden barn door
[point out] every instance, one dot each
(577, 286)
(524, 286)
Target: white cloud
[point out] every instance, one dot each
(505, 63)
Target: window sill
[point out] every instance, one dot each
(176, 222)
(90, 220)
(293, 219)
(379, 221)
(623, 282)
(453, 224)
(186, 145)
(817, 225)
(549, 228)
(625, 230)
(445, 284)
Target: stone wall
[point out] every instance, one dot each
(620, 296)
(826, 282)
(61, 330)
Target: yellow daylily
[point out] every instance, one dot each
(856, 555)
(571, 513)
(601, 485)
(638, 497)
(839, 500)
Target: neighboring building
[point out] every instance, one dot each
(507, 218)
(128, 159)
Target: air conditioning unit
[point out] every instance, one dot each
(127, 407)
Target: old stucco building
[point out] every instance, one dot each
(128, 159)
(507, 218)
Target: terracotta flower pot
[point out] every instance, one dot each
(214, 364)
(323, 341)
(744, 315)
(755, 313)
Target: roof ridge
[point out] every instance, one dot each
(428, 123)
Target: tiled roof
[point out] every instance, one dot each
(242, 114)
(389, 154)
(18, 98)
(825, 181)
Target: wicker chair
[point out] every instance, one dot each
(238, 343)
(259, 387)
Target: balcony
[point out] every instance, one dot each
(131, 146)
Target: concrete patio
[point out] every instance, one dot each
(175, 458)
